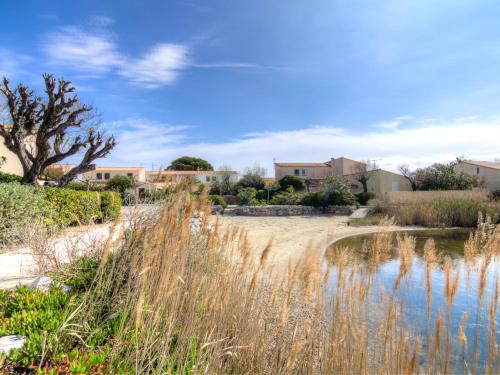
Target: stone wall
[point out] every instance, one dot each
(285, 210)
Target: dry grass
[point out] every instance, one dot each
(437, 208)
(193, 303)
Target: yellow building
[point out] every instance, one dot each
(101, 175)
(12, 163)
(487, 172)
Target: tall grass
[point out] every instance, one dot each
(438, 208)
(177, 301)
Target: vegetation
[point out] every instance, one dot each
(167, 300)
(364, 197)
(250, 180)
(285, 198)
(247, 197)
(496, 195)
(43, 133)
(6, 178)
(190, 163)
(363, 171)
(217, 200)
(438, 177)
(437, 209)
(120, 183)
(50, 209)
(295, 182)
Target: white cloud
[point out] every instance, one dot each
(419, 145)
(160, 66)
(394, 124)
(11, 63)
(93, 53)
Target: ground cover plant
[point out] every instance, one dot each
(437, 208)
(169, 299)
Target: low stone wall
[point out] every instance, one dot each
(287, 210)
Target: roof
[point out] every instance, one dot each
(186, 173)
(302, 164)
(486, 164)
(117, 168)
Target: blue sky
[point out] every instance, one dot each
(239, 82)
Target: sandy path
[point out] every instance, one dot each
(294, 236)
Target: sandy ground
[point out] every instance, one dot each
(294, 236)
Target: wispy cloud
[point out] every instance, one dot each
(395, 123)
(419, 145)
(12, 64)
(93, 53)
(159, 66)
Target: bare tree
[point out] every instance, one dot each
(42, 133)
(411, 176)
(363, 171)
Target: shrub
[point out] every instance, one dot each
(77, 185)
(310, 199)
(230, 198)
(364, 197)
(6, 178)
(217, 200)
(247, 197)
(285, 198)
(111, 203)
(120, 183)
(296, 182)
(22, 207)
(73, 207)
(250, 180)
(261, 195)
(496, 195)
(336, 191)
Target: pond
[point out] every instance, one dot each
(461, 294)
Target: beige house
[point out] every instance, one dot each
(380, 181)
(487, 172)
(103, 174)
(12, 163)
(201, 176)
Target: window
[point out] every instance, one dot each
(354, 186)
(207, 179)
(477, 170)
(296, 172)
(106, 176)
(98, 176)
(131, 175)
(303, 172)
(214, 178)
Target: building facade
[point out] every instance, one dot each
(12, 164)
(380, 180)
(205, 177)
(487, 173)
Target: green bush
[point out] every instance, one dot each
(364, 197)
(247, 197)
(77, 185)
(296, 182)
(285, 198)
(73, 207)
(22, 207)
(310, 199)
(261, 195)
(120, 183)
(111, 203)
(496, 195)
(217, 200)
(6, 178)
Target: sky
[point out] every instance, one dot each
(245, 82)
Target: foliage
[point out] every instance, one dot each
(190, 163)
(222, 186)
(73, 207)
(152, 196)
(363, 171)
(217, 200)
(77, 185)
(230, 198)
(261, 195)
(296, 182)
(364, 197)
(311, 199)
(61, 127)
(496, 195)
(3, 160)
(250, 180)
(6, 178)
(247, 197)
(285, 198)
(120, 183)
(439, 177)
(111, 203)
(22, 207)
(437, 208)
(336, 191)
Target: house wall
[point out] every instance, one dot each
(12, 164)
(139, 175)
(310, 172)
(490, 176)
(381, 182)
(343, 166)
(201, 177)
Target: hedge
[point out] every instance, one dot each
(25, 206)
(22, 207)
(217, 200)
(6, 178)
